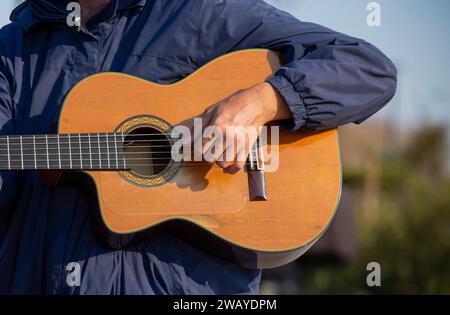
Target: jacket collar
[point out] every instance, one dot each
(34, 12)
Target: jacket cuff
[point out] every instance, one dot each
(293, 100)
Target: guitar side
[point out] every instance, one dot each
(203, 204)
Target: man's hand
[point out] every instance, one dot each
(250, 108)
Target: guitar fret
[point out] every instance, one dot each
(107, 151)
(40, 152)
(34, 149)
(115, 146)
(59, 151)
(63, 152)
(93, 151)
(99, 151)
(14, 153)
(70, 153)
(21, 151)
(81, 154)
(46, 145)
(90, 150)
(7, 148)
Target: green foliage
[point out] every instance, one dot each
(411, 238)
(353, 177)
(411, 241)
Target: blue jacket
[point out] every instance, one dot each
(329, 79)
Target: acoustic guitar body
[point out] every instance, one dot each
(200, 202)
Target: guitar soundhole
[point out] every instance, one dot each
(147, 151)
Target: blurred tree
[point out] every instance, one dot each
(411, 238)
(428, 152)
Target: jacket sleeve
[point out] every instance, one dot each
(329, 78)
(8, 180)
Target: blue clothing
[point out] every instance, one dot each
(329, 79)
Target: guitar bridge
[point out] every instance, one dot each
(255, 173)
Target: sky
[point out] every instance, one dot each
(413, 33)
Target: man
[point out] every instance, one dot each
(329, 79)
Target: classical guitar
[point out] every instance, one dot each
(115, 128)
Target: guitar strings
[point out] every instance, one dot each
(167, 137)
(87, 153)
(94, 137)
(93, 147)
(126, 166)
(119, 161)
(114, 161)
(86, 135)
(98, 153)
(75, 141)
(97, 169)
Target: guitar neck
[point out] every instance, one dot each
(99, 151)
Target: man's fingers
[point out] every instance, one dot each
(214, 148)
(242, 155)
(206, 118)
(239, 163)
(233, 145)
(197, 140)
(227, 158)
(215, 142)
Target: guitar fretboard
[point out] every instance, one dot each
(100, 151)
